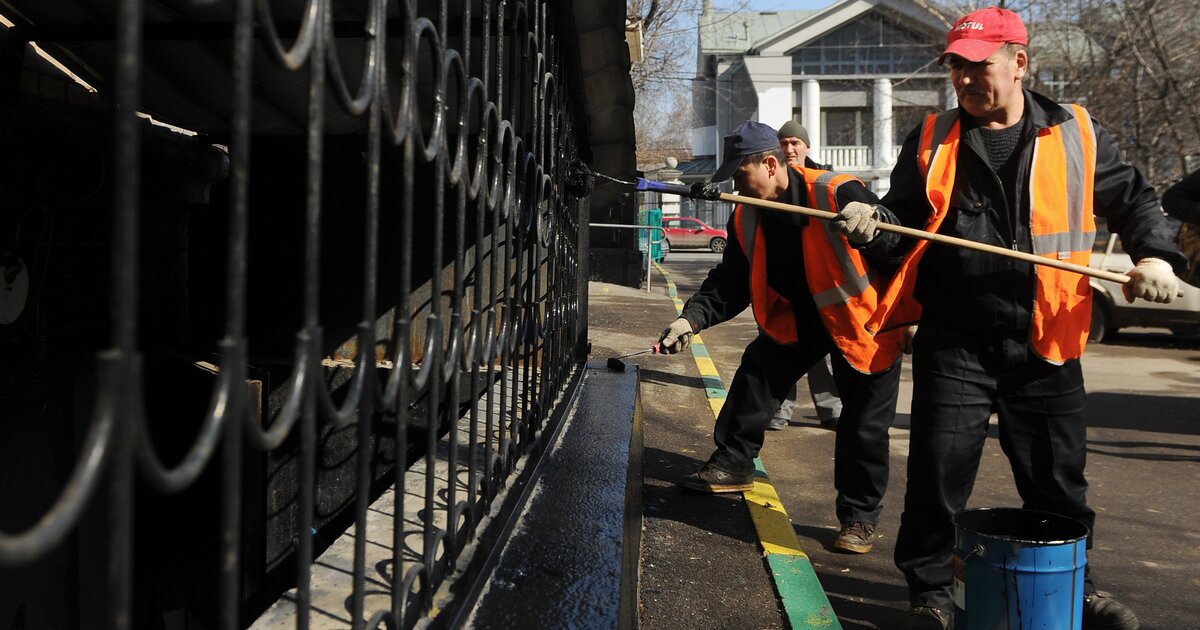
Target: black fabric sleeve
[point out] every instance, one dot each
(1182, 200)
(1130, 206)
(904, 204)
(726, 290)
(874, 251)
(855, 191)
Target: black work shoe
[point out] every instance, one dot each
(778, 424)
(713, 480)
(925, 618)
(1102, 612)
(855, 537)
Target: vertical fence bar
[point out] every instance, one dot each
(124, 305)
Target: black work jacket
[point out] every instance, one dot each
(989, 293)
(1182, 200)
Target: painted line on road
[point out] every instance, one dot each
(804, 600)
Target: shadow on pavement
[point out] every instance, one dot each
(1170, 414)
(719, 514)
(1119, 449)
(667, 378)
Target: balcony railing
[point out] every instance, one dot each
(847, 158)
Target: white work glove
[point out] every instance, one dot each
(676, 337)
(1152, 280)
(858, 222)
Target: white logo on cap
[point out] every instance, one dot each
(974, 26)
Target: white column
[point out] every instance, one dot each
(721, 95)
(882, 126)
(771, 78)
(810, 113)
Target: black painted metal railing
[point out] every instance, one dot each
(466, 120)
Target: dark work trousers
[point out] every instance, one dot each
(860, 460)
(761, 383)
(959, 379)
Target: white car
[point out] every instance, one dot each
(1111, 312)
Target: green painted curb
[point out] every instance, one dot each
(804, 599)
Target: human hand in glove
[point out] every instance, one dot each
(709, 191)
(676, 337)
(1152, 280)
(858, 221)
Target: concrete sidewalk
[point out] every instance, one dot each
(704, 567)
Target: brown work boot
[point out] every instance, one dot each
(713, 480)
(855, 537)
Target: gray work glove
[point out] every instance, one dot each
(858, 221)
(1153, 280)
(676, 337)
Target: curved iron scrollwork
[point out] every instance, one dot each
(465, 116)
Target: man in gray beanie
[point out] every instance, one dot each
(793, 141)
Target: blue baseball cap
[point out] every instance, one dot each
(749, 138)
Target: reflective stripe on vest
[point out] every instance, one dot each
(1062, 227)
(854, 278)
(844, 290)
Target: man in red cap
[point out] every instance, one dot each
(1012, 168)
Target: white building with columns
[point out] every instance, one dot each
(859, 75)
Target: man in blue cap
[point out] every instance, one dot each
(808, 288)
(793, 140)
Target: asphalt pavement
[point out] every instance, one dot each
(703, 565)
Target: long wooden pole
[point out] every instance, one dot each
(1119, 278)
(644, 184)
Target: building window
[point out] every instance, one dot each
(871, 45)
(847, 127)
(1055, 82)
(905, 119)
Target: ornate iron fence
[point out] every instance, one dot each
(434, 312)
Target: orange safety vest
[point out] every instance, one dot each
(1062, 225)
(843, 288)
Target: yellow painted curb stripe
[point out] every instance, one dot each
(771, 520)
(804, 600)
(707, 367)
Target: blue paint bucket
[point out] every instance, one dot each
(1018, 568)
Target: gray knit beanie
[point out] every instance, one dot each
(793, 129)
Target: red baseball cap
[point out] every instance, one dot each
(976, 36)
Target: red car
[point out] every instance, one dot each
(692, 233)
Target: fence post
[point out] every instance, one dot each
(649, 242)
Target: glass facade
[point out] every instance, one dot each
(872, 45)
